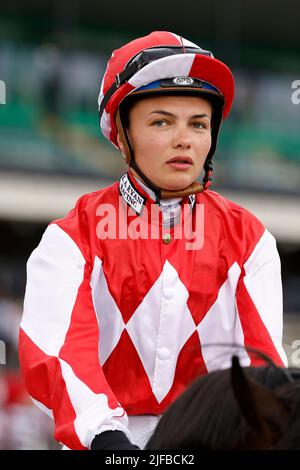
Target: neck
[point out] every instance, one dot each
(144, 185)
(194, 188)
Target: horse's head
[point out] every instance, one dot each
(265, 410)
(235, 408)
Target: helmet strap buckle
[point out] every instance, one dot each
(118, 80)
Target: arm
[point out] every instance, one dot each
(259, 302)
(59, 342)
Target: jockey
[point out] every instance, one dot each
(137, 291)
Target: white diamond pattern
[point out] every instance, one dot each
(109, 316)
(162, 324)
(164, 315)
(218, 325)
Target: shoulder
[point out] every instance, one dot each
(87, 203)
(79, 223)
(224, 205)
(228, 210)
(239, 226)
(91, 200)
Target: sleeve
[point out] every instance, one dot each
(59, 344)
(259, 302)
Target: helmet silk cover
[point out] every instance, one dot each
(186, 60)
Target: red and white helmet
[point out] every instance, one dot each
(163, 56)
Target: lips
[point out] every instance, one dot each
(181, 160)
(180, 163)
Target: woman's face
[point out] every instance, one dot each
(170, 137)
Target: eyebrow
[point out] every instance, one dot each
(167, 113)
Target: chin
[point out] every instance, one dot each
(177, 184)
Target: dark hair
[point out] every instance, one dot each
(237, 408)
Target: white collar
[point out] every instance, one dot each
(136, 200)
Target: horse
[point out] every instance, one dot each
(238, 408)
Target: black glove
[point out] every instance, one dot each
(112, 440)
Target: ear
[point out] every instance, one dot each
(121, 146)
(121, 139)
(265, 412)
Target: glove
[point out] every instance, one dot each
(112, 440)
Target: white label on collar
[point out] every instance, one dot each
(130, 194)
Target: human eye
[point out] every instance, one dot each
(159, 123)
(199, 125)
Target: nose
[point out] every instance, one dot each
(181, 138)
